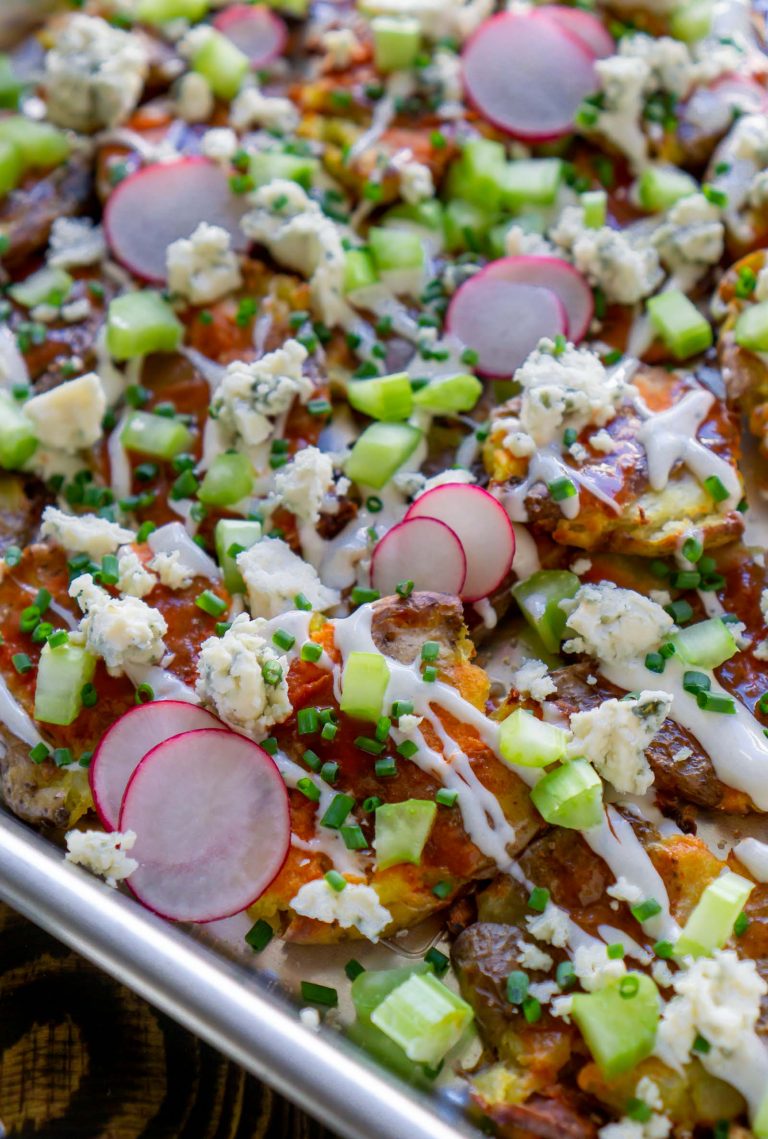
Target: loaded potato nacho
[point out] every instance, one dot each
(383, 429)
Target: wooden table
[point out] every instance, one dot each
(81, 1057)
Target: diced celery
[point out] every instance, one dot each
(17, 434)
(384, 397)
(478, 174)
(266, 165)
(619, 1024)
(297, 8)
(41, 144)
(364, 682)
(222, 64)
(679, 324)
(139, 323)
(374, 985)
(539, 598)
(751, 329)
(380, 451)
(659, 187)
(10, 85)
(234, 532)
(706, 644)
(711, 922)
(155, 435)
(163, 11)
(48, 285)
(11, 166)
(424, 1017)
(465, 226)
(692, 21)
(760, 1121)
(595, 206)
(61, 675)
(531, 181)
(530, 742)
(422, 215)
(447, 394)
(359, 270)
(396, 42)
(402, 830)
(570, 796)
(399, 259)
(387, 1053)
(228, 480)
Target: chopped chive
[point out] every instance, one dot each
(308, 789)
(645, 910)
(405, 708)
(442, 890)
(29, 619)
(407, 749)
(89, 696)
(638, 1110)
(532, 1009)
(259, 935)
(715, 702)
(696, 682)
(270, 745)
(336, 881)
(439, 961)
(655, 662)
(615, 952)
(385, 768)
(211, 604)
(679, 611)
(60, 637)
(338, 809)
(21, 663)
(741, 925)
(446, 797)
(329, 731)
(538, 899)
(353, 837)
(302, 602)
(659, 568)
(701, 1044)
(692, 549)
(272, 672)
(517, 986)
(715, 487)
(628, 986)
(685, 579)
(371, 803)
(12, 556)
(565, 975)
(307, 721)
(366, 744)
(404, 588)
(145, 694)
(429, 675)
(353, 969)
(39, 752)
(319, 994)
(312, 760)
(562, 489)
(282, 639)
(664, 949)
(360, 596)
(430, 651)
(383, 724)
(310, 651)
(62, 756)
(329, 772)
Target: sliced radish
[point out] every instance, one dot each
(126, 743)
(157, 205)
(424, 551)
(256, 30)
(552, 273)
(741, 93)
(503, 321)
(482, 526)
(528, 75)
(584, 25)
(210, 812)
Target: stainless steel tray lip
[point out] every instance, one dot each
(210, 996)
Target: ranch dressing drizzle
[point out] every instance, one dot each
(120, 476)
(669, 437)
(15, 718)
(546, 466)
(735, 743)
(746, 1068)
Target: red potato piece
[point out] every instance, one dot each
(256, 30)
(210, 812)
(161, 203)
(528, 75)
(554, 274)
(127, 742)
(482, 526)
(424, 551)
(503, 321)
(584, 25)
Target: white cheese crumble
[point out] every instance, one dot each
(251, 397)
(274, 576)
(619, 262)
(68, 417)
(602, 441)
(520, 242)
(84, 533)
(648, 1091)
(438, 19)
(657, 1127)
(202, 268)
(232, 682)
(625, 891)
(533, 680)
(691, 238)
(251, 109)
(531, 957)
(595, 968)
(581, 566)
(416, 183)
(123, 631)
(302, 484)
(614, 735)
(103, 854)
(194, 98)
(219, 144)
(623, 81)
(299, 236)
(75, 242)
(171, 570)
(94, 74)
(718, 997)
(356, 905)
(339, 45)
(614, 624)
(552, 926)
(133, 577)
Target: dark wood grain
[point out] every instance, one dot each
(81, 1057)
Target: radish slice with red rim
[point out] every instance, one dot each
(584, 25)
(482, 526)
(212, 824)
(424, 551)
(161, 203)
(126, 743)
(255, 29)
(503, 321)
(528, 75)
(568, 284)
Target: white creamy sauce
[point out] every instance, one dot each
(669, 437)
(163, 683)
(174, 537)
(399, 86)
(16, 720)
(612, 935)
(343, 561)
(13, 369)
(526, 559)
(753, 855)
(746, 1068)
(208, 369)
(120, 474)
(735, 743)
(545, 467)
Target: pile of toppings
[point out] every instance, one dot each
(335, 345)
